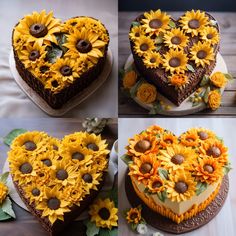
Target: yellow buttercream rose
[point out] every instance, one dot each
(129, 79)
(147, 93)
(214, 99)
(218, 79)
(3, 192)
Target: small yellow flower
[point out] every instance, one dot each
(136, 32)
(3, 192)
(152, 60)
(143, 45)
(218, 79)
(179, 80)
(214, 100)
(147, 93)
(210, 35)
(129, 79)
(134, 215)
(104, 213)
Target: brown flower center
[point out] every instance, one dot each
(156, 184)
(209, 36)
(181, 187)
(78, 156)
(137, 34)
(152, 60)
(34, 55)
(104, 213)
(66, 71)
(61, 174)
(55, 83)
(146, 168)
(26, 168)
(174, 62)
(47, 162)
(202, 135)
(177, 159)
(87, 178)
(92, 146)
(36, 192)
(214, 151)
(142, 146)
(143, 47)
(176, 40)
(168, 141)
(201, 54)
(38, 30)
(155, 23)
(84, 46)
(30, 146)
(53, 203)
(194, 24)
(208, 168)
(133, 216)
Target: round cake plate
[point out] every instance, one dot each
(185, 107)
(165, 224)
(73, 102)
(110, 175)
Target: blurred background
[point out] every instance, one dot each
(174, 5)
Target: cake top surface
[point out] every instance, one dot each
(54, 174)
(177, 168)
(175, 48)
(55, 52)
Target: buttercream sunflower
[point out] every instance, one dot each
(3, 192)
(94, 144)
(175, 61)
(143, 45)
(18, 41)
(100, 163)
(144, 167)
(66, 70)
(177, 157)
(85, 44)
(136, 32)
(43, 173)
(130, 79)
(43, 71)
(216, 149)
(155, 184)
(203, 134)
(180, 186)
(152, 60)
(155, 22)
(32, 55)
(193, 21)
(142, 144)
(146, 93)
(154, 130)
(210, 35)
(39, 27)
(214, 99)
(208, 170)
(189, 139)
(74, 139)
(79, 155)
(54, 205)
(202, 54)
(54, 144)
(134, 215)
(65, 173)
(218, 79)
(55, 84)
(22, 167)
(90, 178)
(104, 213)
(73, 24)
(175, 38)
(167, 139)
(34, 192)
(179, 80)
(32, 142)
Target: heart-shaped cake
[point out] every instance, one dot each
(59, 59)
(58, 179)
(178, 177)
(174, 55)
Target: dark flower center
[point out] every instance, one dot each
(34, 55)
(174, 62)
(66, 71)
(104, 213)
(61, 174)
(53, 203)
(26, 168)
(155, 23)
(201, 54)
(30, 146)
(38, 30)
(194, 24)
(84, 46)
(181, 187)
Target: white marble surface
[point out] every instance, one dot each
(13, 102)
(225, 222)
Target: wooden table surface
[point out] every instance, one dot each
(25, 223)
(128, 108)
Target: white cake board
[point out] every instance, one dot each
(109, 181)
(185, 107)
(73, 102)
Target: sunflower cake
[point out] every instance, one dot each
(177, 177)
(174, 55)
(58, 179)
(59, 59)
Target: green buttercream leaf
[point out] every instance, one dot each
(12, 135)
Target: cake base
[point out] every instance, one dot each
(165, 224)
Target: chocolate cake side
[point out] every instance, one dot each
(159, 78)
(58, 226)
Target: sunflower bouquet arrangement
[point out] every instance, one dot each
(176, 168)
(59, 53)
(55, 176)
(173, 50)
